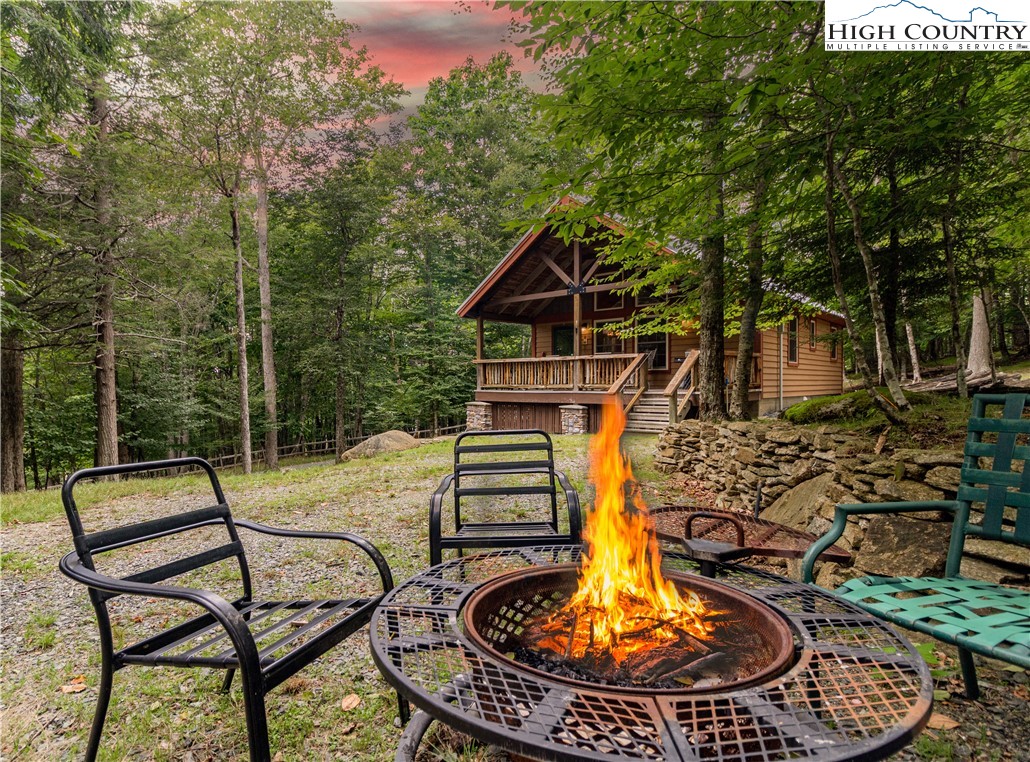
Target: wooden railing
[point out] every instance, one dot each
(582, 373)
(681, 387)
(635, 375)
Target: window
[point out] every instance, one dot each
(811, 334)
(606, 301)
(561, 341)
(792, 341)
(833, 342)
(607, 341)
(659, 343)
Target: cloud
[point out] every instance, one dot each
(415, 41)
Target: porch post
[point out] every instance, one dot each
(577, 316)
(479, 351)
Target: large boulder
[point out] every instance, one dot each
(388, 441)
(796, 507)
(897, 546)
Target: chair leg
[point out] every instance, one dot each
(103, 700)
(403, 709)
(257, 722)
(965, 658)
(227, 680)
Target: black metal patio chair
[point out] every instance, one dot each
(267, 641)
(491, 468)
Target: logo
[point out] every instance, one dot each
(932, 25)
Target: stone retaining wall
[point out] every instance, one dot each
(804, 472)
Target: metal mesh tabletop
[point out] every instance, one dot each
(855, 689)
(761, 537)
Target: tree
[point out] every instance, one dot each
(300, 73)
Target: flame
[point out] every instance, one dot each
(623, 603)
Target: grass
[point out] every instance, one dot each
(40, 632)
(937, 421)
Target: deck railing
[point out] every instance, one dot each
(594, 373)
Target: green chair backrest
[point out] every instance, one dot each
(1000, 491)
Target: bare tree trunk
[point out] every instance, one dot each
(105, 370)
(711, 373)
(999, 320)
(341, 414)
(12, 416)
(956, 315)
(265, 292)
(990, 308)
(752, 306)
(857, 350)
(876, 308)
(913, 353)
(243, 370)
(978, 363)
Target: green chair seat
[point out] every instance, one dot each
(988, 619)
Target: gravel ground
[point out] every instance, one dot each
(49, 639)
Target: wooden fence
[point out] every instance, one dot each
(324, 447)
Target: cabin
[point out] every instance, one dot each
(568, 297)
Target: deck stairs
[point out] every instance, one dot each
(650, 414)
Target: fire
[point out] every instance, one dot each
(623, 604)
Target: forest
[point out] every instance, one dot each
(219, 237)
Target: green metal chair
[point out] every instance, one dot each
(993, 503)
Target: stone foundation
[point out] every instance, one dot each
(479, 416)
(574, 419)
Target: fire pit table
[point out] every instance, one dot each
(847, 688)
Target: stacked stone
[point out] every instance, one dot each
(479, 416)
(805, 472)
(734, 458)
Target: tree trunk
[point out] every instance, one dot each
(956, 315)
(241, 341)
(857, 350)
(876, 308)
(105, 371)
(752, 306)
(265, 292)
(711, 371)
(913, 353)
(999, 319)
(341, 414)
(978, 363)
(12, 416)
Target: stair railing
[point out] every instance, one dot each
(682, 381)
(634, 369)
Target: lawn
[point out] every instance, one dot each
(49, 639)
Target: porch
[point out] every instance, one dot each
(527, 384)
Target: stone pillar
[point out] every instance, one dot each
(574, 419)
(479, 416)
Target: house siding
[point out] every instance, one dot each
(815, 373)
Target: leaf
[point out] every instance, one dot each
(350, 701)
(347, 729)
(941, 722)
(77, 685)
(941, 695)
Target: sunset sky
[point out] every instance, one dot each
(417, 40)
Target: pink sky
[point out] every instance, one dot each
(414, 41)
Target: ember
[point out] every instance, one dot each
(625, 618)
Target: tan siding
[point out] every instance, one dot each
(542, 333)
(814, 374)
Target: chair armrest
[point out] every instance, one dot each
(219, 608)
(844, 510)
(572, 498)
(371, 550)
(435, 509)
